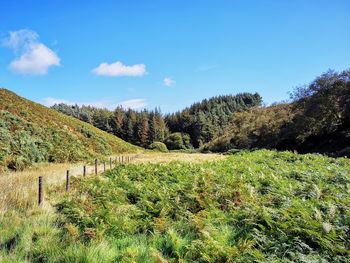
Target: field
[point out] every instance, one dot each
(258, 206)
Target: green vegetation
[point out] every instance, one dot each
(158, 146)
(318, 120)
(255, 128)
(139, 128)
(202, 121)
(260, 206)
(206, 120)
(31, 133)
(178, 141)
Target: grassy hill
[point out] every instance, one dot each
(30, 133)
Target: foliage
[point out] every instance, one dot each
(259, 206)
(207, 119)
(258, 127)
(178, 141)
(31, 133)
(322, 120)
(318, 120)
(202, 121)
(159, 146)
(140, 128)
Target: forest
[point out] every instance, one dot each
(316, 119)
(192, 127)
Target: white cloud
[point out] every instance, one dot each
(132, 104)
(52, 101)
(168, 81)
(99, 104)
(32, 57)
(118, 69)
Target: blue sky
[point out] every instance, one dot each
(168, 53)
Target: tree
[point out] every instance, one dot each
(142, 129)
(207, 119)
(177, 141)
(119, 116)
(129, 125)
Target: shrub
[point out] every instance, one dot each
(159, 146)
(178, 141)
(174, 141)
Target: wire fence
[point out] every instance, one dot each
(30, 190)
(121, 159)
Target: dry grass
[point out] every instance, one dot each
(155, 157)
(19, 190)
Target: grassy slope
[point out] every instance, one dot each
(30, 132)
(251, 207)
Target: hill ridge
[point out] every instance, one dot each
(31, 133)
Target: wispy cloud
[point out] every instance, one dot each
(206, 68)
(99, 104)
(32, 57)
(132, 104)
(118, 69)
(169, 81)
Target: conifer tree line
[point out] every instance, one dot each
(206, 120)
(191, 127)
(137, 127)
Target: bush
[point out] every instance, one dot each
(174, 141)
(178, 141)
(158, 146)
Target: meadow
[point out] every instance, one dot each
(260, 206)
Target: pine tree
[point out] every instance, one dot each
(119, 116)
(143, 130)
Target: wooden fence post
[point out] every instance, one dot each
(104, 166)
(40, 191)
(96, 166)
(110, 163)
(84, 171)
(67, 181)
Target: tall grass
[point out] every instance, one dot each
(19, 190)
(262, 206)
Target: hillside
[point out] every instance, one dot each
(317, 120)
(205, 120)
(30, 133)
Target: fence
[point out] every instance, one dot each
(118, 160)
